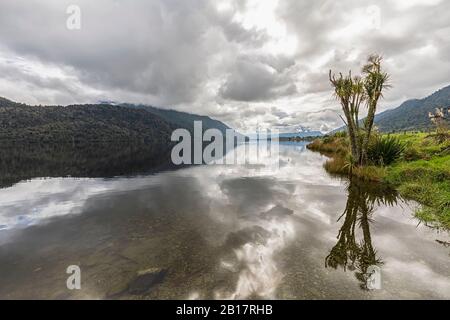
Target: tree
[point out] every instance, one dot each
(351, 92)
(375, 82)
(441, 121)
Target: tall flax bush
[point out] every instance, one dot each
(385, 150)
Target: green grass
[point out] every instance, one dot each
(421, 146)
(422, 174)
(427, 182)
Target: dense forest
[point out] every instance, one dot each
(80, 124)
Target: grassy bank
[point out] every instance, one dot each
(421, 173)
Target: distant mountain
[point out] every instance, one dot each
(181, 119)
(93, 123)
(301, 134)
(413, 114)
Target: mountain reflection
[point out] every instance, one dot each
(96, 160)
(354, 250)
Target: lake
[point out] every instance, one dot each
(285, 230)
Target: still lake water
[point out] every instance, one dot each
(236, 232)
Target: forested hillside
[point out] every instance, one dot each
(80, 124)
(413, 114)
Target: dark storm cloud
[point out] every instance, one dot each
(250, 81)
(227, 59)
(154, 47)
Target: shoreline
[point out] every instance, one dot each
(421, 174)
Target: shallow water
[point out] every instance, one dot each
(279, 231)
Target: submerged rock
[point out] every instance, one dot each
(146, 280)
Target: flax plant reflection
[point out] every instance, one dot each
(354, 250)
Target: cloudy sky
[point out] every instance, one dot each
(245, 62)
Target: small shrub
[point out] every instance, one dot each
(337, 165)
(442, 136)
(411, 153)
(329, 145)
(327, 139)
(341, 134)
(370, 173)
(385, 150)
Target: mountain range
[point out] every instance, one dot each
(301, 134)
(94, 123)
(411, 114)
(109, 121)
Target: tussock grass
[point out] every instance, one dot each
(330, 146)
